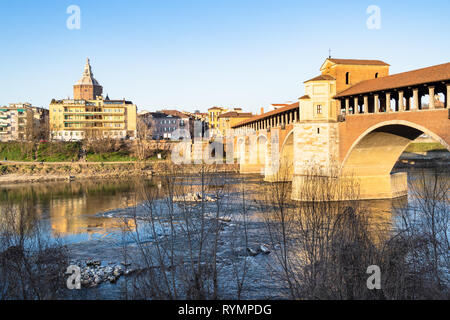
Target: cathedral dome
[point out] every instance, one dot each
(88, 76)
(87, 88)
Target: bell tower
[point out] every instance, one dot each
(87, 88)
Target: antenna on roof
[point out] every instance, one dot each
(329, 53)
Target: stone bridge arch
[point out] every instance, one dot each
(240, 149)
(374, 153)
(286, 170)
(261, 149)
(378, 149)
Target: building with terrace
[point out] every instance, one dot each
(89, 115)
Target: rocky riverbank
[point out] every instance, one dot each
(29, 172)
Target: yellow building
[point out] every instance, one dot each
(229, 119)
(90, 115)
(213, 119)
(337, 75)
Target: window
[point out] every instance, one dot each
(319, 109)
(347, 78)
(376, 75)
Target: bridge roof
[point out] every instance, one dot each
(421, 76)
(235, 114)
(287, 107)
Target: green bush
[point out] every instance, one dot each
(110, 157)
(58, 151)
(17, 151)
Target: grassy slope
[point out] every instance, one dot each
(425, 147)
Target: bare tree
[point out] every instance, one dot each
(32, 266)
(178, 234)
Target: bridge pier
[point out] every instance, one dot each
(250, 162)
(342, 188)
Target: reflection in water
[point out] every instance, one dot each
(70, 209)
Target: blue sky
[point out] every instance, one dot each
(194, 54)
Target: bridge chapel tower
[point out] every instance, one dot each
(316, 134)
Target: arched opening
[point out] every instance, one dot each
(241, 150)
(378, 149)
(424, 102)
(372, 158)
(347, 78)
(261, 150)
(394, 105)
(376, 75)
(439, 100)
(286, 170)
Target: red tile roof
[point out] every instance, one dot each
(287, 107)
(175, 113)
(304, 97)
(234, 114)
(322, 77)
(411, 78)
(359, 62)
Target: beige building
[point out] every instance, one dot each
(214, 114)
(337, 75)
(22, 121)
(89, 115)
(229, 119)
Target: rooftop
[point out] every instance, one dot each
(359, 62)
(411, 78)
(322, 77)
(175, 113)
(88, 76)
(234, 114)
(286, 107)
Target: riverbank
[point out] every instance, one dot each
(424, 159)
(30, 172)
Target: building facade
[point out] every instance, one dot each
(163, 124)
(229, 119)
(202, 126)
(89, 115)
(22, 121)
(214, 114)
(213, 119)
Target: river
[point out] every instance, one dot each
(87, 216)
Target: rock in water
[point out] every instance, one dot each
(264, 249)
(93, 263)
(118, 271)
(252, 252)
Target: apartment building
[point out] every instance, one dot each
(22, 121)
(89, 115)
(163, 124)
(72, 120)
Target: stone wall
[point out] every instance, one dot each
(316, 145)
